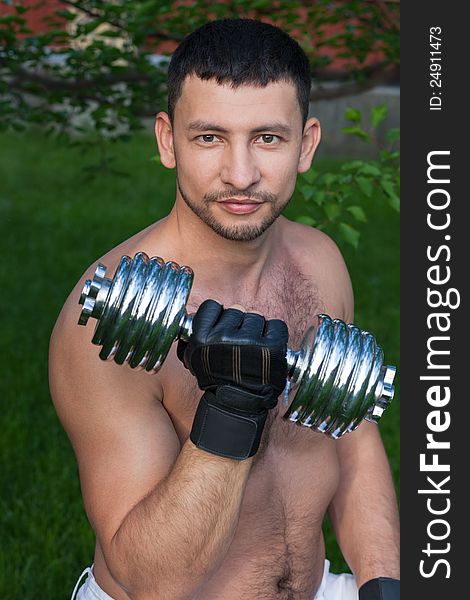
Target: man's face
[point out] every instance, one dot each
(237, 153)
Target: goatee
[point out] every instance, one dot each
(238, 233)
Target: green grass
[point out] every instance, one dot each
(53, 223)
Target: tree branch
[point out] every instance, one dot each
(22, 76)
(91, 13)
(160, 35)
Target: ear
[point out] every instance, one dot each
(164, 135)
(310, 140)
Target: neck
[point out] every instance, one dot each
(216, 260)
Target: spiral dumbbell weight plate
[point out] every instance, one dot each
(143, 311)
(338, 378)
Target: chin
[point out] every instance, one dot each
(240, 232)
(236, 227)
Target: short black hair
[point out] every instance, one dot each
(240, 51)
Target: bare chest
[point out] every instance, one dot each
(283, 507)
(283, 294)
(286, 295)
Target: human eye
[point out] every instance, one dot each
(268, 138)
(208, 138)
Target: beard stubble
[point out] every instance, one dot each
(241, 232)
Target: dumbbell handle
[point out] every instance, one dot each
(93, 307)
(187, 328)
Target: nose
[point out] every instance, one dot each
(239, 168)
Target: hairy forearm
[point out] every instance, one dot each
(364, 512)
(176, 536)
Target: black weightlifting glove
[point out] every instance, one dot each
(239, 360)
(381, 588)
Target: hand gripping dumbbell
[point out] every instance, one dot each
(335, 379)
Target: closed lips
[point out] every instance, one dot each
(241, 201)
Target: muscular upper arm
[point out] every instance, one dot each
(122, 436)
(362, 450)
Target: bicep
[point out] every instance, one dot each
(362, 453)
(123, 438)
(365, 475)
(121, 458)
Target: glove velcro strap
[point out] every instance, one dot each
(381, 588)
(225, 432)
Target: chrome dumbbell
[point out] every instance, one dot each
(335, 380)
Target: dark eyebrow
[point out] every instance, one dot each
(275, 127)
(205, 126)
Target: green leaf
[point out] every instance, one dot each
(329, 179)
(345, 179)
(319, 197)
(11, 19)
(387, 186)
(352, 114)
(66, 14)
(386, 156)
(390, 190)
(370, 169)
(378, 114)
(305, 220)
(309, 175)
(111, 33)
(356, 131)
(260, 3)
(358, 213)
(332, 211)
(366, 185)
(352, 165)
(350, 235)
(394, 202)
(307, 191)
(393, 135)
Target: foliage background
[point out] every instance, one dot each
(63, 205)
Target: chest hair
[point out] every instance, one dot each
(284, 293)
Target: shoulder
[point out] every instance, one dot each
(71, 343)
(77, 375)
(321, 262)
(66, 324)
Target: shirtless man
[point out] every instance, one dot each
(174, 520)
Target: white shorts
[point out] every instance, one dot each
(90, 590)
(336, 587)
(332, 587)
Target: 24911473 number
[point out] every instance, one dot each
(435, 67)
